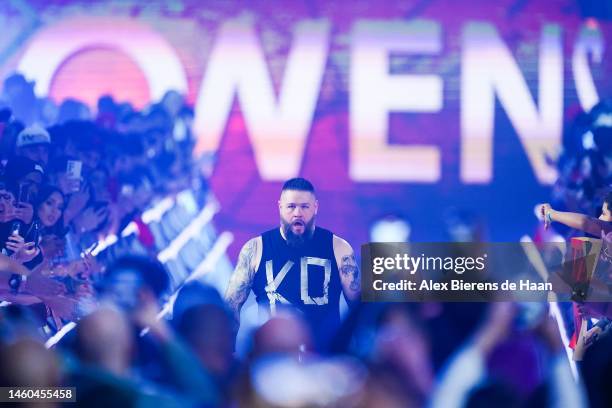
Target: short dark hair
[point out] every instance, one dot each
(152, 273)
(299, 184)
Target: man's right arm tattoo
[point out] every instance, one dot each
(240, 283)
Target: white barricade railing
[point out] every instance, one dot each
(172, 250)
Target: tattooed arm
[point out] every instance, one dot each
(590, 225)
(241, 281)
(349, 270)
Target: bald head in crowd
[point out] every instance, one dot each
(104, 339)
(27, 363)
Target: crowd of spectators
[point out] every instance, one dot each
(585, 162)
(66, 186)
(70, 179)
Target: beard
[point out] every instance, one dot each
(297, 240)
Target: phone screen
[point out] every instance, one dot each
(24, 193)
(73, 172)
(73, 169)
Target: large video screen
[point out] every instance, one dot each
(391, 108)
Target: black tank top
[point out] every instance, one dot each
(306, 278)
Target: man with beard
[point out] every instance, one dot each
(298, 265)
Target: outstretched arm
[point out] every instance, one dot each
(350, 278)
(590, 225)
(242, 279)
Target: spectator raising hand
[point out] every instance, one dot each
(52, 246)
(22, 251)
(39, 285)
(90, 219)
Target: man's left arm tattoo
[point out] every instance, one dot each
(350, 271)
